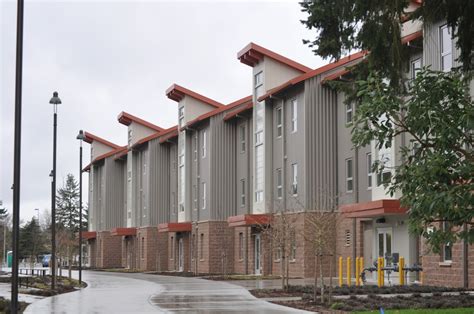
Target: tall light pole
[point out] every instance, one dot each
(55, 101)
(17, 156)
(80, 137)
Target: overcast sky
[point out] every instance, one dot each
(112, 56)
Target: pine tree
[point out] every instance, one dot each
(67, 205)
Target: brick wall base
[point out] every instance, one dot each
(109, 250)
(92, 253)
(212, 248)
(147, 248)
(129, 248)
(174, 239)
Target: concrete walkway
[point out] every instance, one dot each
(146, 293)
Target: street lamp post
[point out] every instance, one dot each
(55, 101)
(80, 137)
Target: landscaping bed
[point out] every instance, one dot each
(5, 305)
(239, 277)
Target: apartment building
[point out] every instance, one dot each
(197, 197)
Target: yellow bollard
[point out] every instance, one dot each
(340, 271)
(401, 272)
(379, 272)
(348, 271)
(357, 271)
(361, 265)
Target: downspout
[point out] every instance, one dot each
(356, 200)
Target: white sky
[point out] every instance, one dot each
(111, 56)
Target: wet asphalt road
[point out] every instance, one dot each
(147, 293)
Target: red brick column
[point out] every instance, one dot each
(109, 250)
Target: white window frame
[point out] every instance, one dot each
(279, 122)
(369, 171)
(279, 183)
(349, 176)
(444, 53)
(181, 116)
(294, 175)
(349, 117)
(294, 115)
(204, 144)
(204, 193)
(242, 136)
(241, 246)
(447, 246)
(414, 68)
(242, 193)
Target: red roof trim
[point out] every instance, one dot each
(252, 54)
(111, 153)
(87, 168)
(373, 209)
(89, 138)
(313, 73)
(248, 220)
(175, 227)
(168, 134)
(219, 110)
(146, 139)
(89, 235)
(406, 39)
(235, 113)
(123, 231)
(126, 119)
(177, 93)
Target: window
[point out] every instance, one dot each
(130, 133)
(447, 248)
(241, 245)
(143, 248)
(204, 195)
(278, 253)
(181, 116)
(201, 247)
(446, 48)
(294, 185)
(279, 184)
(195, 197)
(384, 177)
(172, 247)
(415, 67)
(294, 115)
(348, 238)
(195, 147)
(242, 193)
(292, 245)
(242, 138)
(181, 171)
(349, 175)
(204, 148)
(369, 170)
(258, 84)
(349, 110)
(279, 122)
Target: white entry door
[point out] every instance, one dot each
(384, 242)
(258, 253)
(180, 255)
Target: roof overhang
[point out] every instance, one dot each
(126, 119)
(123, 231)
(175, 227)
(89, 138)
(89, 235)
(373, 209)
(169, 134)
(177, 93)
(248, 220)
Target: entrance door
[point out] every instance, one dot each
(258, 250)
(180, 255)
(384, 242)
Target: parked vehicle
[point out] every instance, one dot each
(46, 260)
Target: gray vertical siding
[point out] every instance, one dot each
(243, 166)
(321, 144)
(222, 168)
(114, 193)
(173, 181)
(159, 183)
(432, 47)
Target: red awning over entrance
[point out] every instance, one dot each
(248, 220)
(89, 235)
(373, 209)
(175, 227)
(123, 231)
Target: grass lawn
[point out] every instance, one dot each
(467, 310)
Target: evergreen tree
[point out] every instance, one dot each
(31, 241)
(67, 205)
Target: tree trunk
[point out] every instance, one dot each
(287, 272)
(69, 262)
(330, 280)
(282, 271)
(322, 278)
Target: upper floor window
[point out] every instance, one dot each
(241, 246)
(369, 170)
(181, 116)
(279, 183)
(195, 147)
(242, 138)
(204, 144)
(204, 203)
(447, 248)
(349, 175)
(130, 133)
(294, 185)
(242, 193)
(259, 84)
(292, 245)
(415, 67)
(279, 122)
(349, 111)
(446, 44)
(294, 115)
